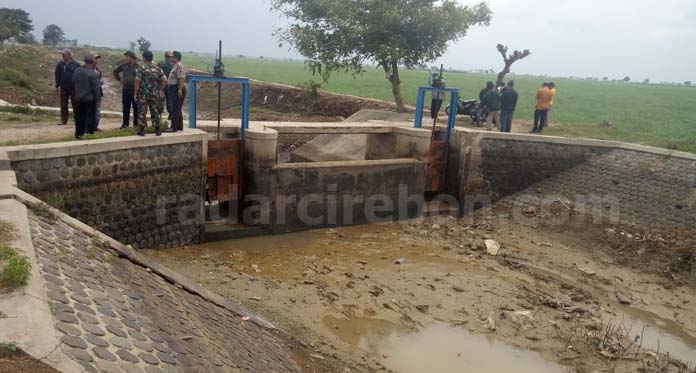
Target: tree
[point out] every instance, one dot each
(52, 35)
(143, 44)
(687, 83)
(346, 35)
(627, 79)
(26, 38)
(509, 60)
(132, 45)
(13, 23)
(646, 81)
(605, 78)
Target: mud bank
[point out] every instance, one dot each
(550, 300)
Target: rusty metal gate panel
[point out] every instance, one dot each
(224, 170)
(435, 169)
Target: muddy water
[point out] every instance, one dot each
(659, 334)
(331, 255)
(442, 348)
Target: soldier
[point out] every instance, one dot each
(149, 89)
(167, 66)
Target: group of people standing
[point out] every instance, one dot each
(501, 102)
(146, 87)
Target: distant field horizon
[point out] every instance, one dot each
(649, 114)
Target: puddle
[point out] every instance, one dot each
(438, 348)
(443, 349)
(665, 334)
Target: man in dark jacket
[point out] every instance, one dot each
(492, 103)
(489, 87)
(508, 103)
(125, 73)
(64, 84)
(87, 97)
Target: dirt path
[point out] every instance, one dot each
(547, 292)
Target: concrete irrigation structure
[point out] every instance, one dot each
(93, 303)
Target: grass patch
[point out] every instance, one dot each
(8, 349)
(7, 231)
(43, 210)
(15, 269)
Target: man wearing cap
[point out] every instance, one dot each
(125, 73)
(87, 97)
(149, 90)
(166, 67)
(177, 92)
(64, 84)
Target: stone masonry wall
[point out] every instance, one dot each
(509, 166)
(326, 186)
(645, 189)
(121, 192)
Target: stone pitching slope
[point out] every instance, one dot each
(118, 316)
(651, 190)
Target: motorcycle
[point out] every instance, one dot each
(473, 109)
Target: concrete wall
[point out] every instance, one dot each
(145, 192)
(297, 196)
(402, 142)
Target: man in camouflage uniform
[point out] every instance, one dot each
(167, 66)
(150, 82)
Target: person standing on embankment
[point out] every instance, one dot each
(64, 84)
(543, 97)
(125, 73)
(149, 92)
(177, 92)
(166, 67)
(87, 97)
(508, 103)
(492, 102)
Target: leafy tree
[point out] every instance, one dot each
(336, 35)
(52, 35)
(509, 60)
(26, 38)
(132, 45)
(646, 81)
(605, 78)
(687, 83)
(627, 79)
(13, 23)
(143, 44)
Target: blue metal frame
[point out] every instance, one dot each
(454, 104)
(246, 97)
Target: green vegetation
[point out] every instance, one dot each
(43, 210)
(16, 69)
(342, 36)
(14, 268)
(657, 115)
(7, 231)
(8, 349)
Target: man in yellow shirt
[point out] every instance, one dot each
(552, 88)
(544, 98)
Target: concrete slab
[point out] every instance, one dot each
(29, 322)
(325, 148)
(72, 148)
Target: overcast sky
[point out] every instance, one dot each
(642, 39)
